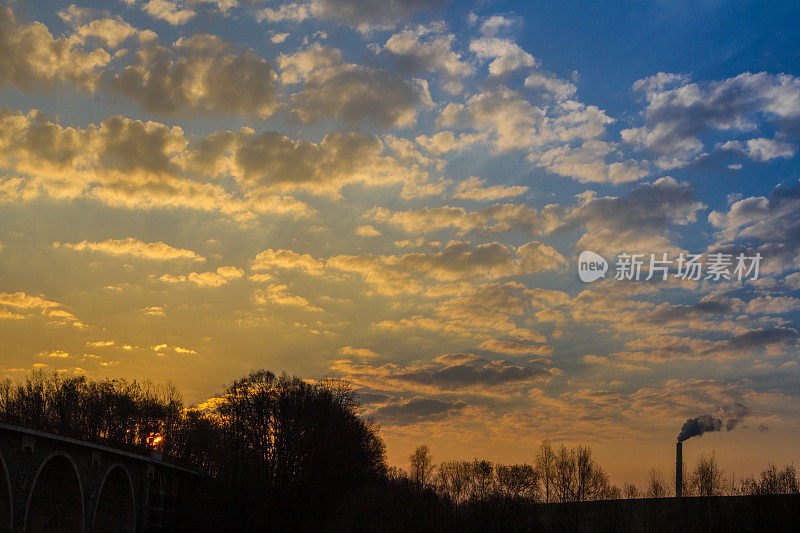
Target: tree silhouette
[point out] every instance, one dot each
(656, 486)
(706, 478)
(772, 481)
(546, 466)
(116, 412)
(630, 491)
(421, 465)
(287, 442)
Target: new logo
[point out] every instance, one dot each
(591, 266)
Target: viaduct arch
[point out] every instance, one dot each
(55, 483)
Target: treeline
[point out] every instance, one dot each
(706, 478)
(282, 453)
(572, 475)
(558, 475)
(276, 449)
(115, 412)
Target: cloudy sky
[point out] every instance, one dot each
(396, 192)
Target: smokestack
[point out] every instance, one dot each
(678, 469)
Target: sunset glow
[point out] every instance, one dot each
(397, 193)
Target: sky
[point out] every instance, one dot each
(396, 193)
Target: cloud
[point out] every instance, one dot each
(512, 120)
(362, 353)
(665, 348)
(278, 38)
(20, 305)
(367, 231)
(289, 12)
(506, 56)
(364, 15)
(199, 74)
(270, 160)
(393, 274)
(679, 112)
(355, 94)
(446, 141)
(588, 163)
(59, 354)
(100, 344)
(99, 25)
(270, 259)
(300, 65)
(21, 300)
(202, 73)
(429, 49)
(278, 294)
(495, 218)
(491, 309)
(490, 260)
(550, 85)
(513, 123)
(474, 188)
(772, 305)
(637, 222)
(184, 351)
(159, 349)
(137, 164)
(222, 276)
(511, 347)
(450, 373)
(158, 251)
(761, 149)
(417, 410)
(31, 57)
(770, 225)
(497, 23)
(169, 11)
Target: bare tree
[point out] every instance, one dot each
(629, 491)
(565, 467)
(421, 465)
(482, 479)
(656, 486)
(453, 479)
(706, 478)
(591, 481)
(546, 467)
(518, 481)
(772, 481)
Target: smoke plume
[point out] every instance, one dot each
(737, 414)
(697, 426)
(694, 427)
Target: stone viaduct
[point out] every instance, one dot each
(54, 483)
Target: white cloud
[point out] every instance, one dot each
(427, 48)
(589, 163)
(199, 74)
(278, 294)
(367, 231)
(551, 85)
(679, 112)
(134, 247)
(170, 11)
(474, 188)
(761, 149)
(221, 276)
(355, 94)
(31, 57)
(506, 56)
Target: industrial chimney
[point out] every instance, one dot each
(678, 469)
